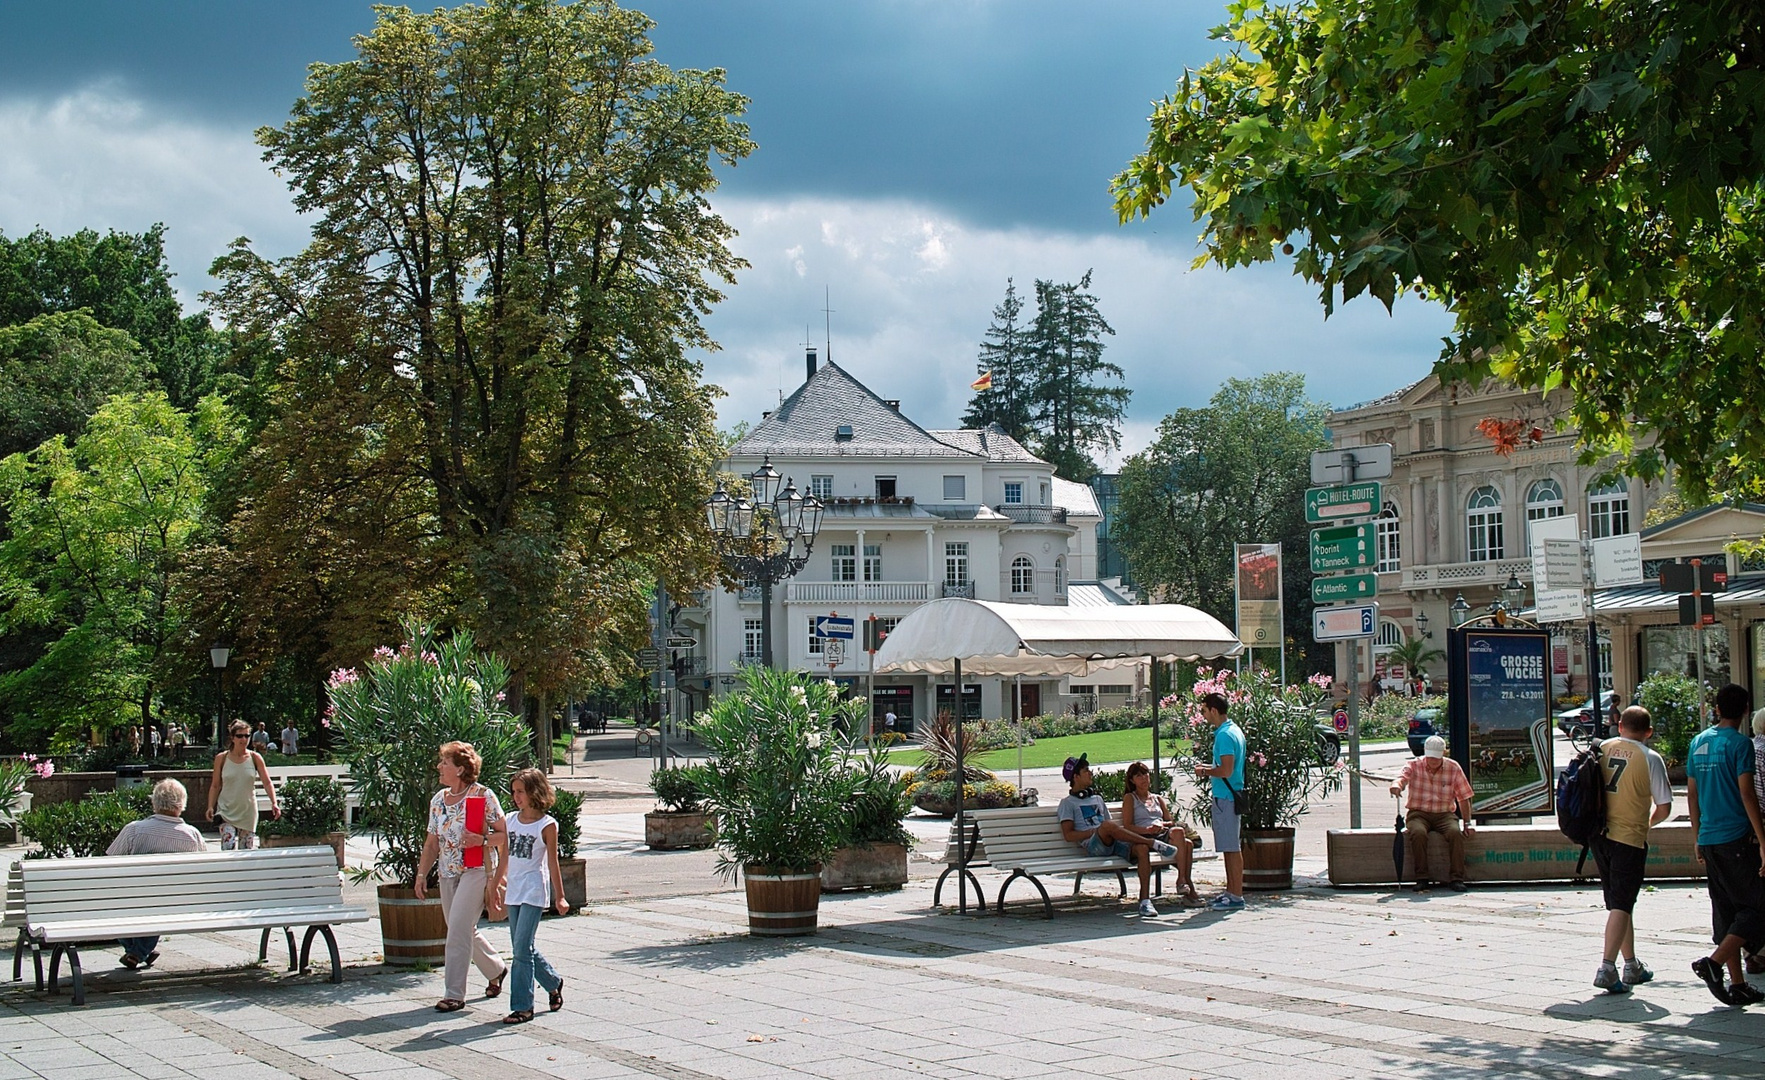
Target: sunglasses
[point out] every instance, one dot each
(242, 735)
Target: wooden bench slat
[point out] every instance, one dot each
(109, 929)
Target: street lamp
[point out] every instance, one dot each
(217, 655)
(1422, 624)
(766, 540)
(1514, 592)
(1460, 611)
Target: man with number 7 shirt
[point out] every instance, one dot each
(1638, 796)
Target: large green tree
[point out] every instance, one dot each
(1234, 472)
(95, 531)
(1005, 355)
(55, 371)
(512, 251)
(1578, 181)
(1074, 413)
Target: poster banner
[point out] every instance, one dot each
(1499, 702)
(1259, 594)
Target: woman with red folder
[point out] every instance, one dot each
(464, 821)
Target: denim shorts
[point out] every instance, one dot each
(1225, 825)
(1094, 846)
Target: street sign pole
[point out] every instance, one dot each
(1354, 734)
(1697, 604)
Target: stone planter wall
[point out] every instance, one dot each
(574, 871)
(866, 866)
(72, 786)
(665, 831)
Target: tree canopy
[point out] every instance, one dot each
(55, 371)
(1578, 181)
(512, 250)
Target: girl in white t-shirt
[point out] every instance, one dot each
(530, 880)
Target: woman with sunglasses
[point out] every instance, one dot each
(232, 789)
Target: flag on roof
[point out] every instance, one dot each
(985, 382)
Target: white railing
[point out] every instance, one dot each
(858, 592)
(1448, 575)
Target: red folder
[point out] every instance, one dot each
(473, 857)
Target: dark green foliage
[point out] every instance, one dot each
(879, 801)
(1113, 785)
(568, 810)
(1074, 414)
(1006, 352)
(55, 371)
(83, 827)
(1672, 702)
(680, 790)
(311, 806)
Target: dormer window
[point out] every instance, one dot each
(843, 433)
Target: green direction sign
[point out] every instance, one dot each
(1324, 505)
(1347, 547)
(1331, 590)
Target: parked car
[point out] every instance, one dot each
(1580, 719)
(1329, 745)
(1422, 725)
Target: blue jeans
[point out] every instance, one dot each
(138, 947)
(528, 963)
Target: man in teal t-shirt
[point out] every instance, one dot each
(1227, 775)
(1725, 813)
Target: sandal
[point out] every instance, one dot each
(1188, 889)
(449, 1005)
(557, 997)
(495, 986)
(519, 1017)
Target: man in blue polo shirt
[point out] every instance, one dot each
(1227, 776)
(1725, 815)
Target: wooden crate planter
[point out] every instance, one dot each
(865, 866)
(574, 872)
(665, 830)
(1504, 853)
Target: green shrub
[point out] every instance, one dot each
(680, 790)
(1388, 716)
(311, 806)
(568, 810)
(1672, 701)
(1113, 785)
(83, 827)
(878, 805)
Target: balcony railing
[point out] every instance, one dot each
(1460, 575)
(858, 592)
(748, 594)
(963, 589)
(1033, 515)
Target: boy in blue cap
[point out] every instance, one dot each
(1085, 821)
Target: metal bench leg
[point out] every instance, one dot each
(55, 969)
(18, 953)
(1077, 880)
(938, 889)
(1047, 904)
(288, 931)
(37, 962)
(1121, 882)
(263, 946)
(980, 897)
(73, 960)
(306, 948)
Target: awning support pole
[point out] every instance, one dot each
(1154, 661)
(961, 818)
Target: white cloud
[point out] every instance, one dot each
(913, 291)
(97, 159)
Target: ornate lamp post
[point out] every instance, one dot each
(217, 655)
(767, 540)
(1514, 593)
(1460, 610)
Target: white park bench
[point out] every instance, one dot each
(70, 902)
(1027, 841)
(281, 774)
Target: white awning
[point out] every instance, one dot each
(1031, 639)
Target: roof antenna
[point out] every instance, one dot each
(827, 316)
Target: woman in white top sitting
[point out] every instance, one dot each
(531, 880)
(1150, 815)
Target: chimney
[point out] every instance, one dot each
(810, 361)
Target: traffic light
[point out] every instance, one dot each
(874, 634)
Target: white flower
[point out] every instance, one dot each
(814, 740)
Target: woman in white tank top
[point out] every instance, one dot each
(1150, 815)
(529, 880)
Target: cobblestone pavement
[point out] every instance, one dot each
(1313, 983)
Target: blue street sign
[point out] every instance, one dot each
(833, 626)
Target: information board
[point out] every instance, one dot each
(1499, 703)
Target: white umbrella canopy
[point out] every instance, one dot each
(991, 638)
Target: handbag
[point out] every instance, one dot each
(1240, 799)
(473, 857)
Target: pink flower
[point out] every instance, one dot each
(343, 677)
(325, 721)
(431, 659)
(44, 769)
(383, 654)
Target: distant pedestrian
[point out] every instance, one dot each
(1226, 774)
(153, 738)
(1439, 799)
(889, 722)
(134, 739)
(1638, 797)
(290, 740)
(1725, 813)
(531, 879)
(232, 790)
(260, 738)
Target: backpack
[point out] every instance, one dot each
(1581, 801)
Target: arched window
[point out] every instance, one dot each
(1544, 499)
(1390, 540)
(1060, 575)
(1023, 576)
(1483, 526)
(1608, 510)
(1389, 637)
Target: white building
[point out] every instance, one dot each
(911, 515)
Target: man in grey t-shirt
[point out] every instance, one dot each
(164, 832)
(1084, 820)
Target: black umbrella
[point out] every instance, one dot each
(1397, 846)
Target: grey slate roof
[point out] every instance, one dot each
(1077, 499)
(805, 423)
(990, 442)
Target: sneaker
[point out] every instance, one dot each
(131, 961)
(1458, 886)
(1607, 979)
(1636, 972)
(1147, 910)
(1743, 993)
(1421, 886)
(1226, 902)
(1705, 968)
(1755, 964)
(1161, 848)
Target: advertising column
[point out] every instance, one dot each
(1499, 702)
(1259, 596)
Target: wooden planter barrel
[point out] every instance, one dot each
(781, 902)
(1268, 859)
(412, 931)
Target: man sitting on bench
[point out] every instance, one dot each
(1084, 820)
(165, 832)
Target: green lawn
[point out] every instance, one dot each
(1134, 744)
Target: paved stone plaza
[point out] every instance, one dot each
(1310, 983)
